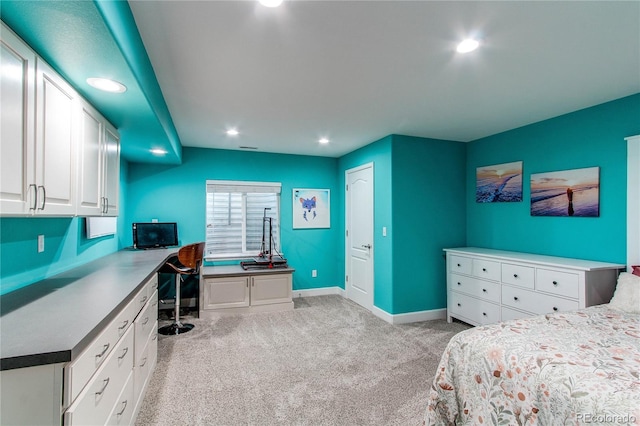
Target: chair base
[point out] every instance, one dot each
(175, 328)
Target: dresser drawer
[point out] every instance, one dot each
(486, 269)
(460, 264)
(475, 310)
(80, 371)
(145, 363)
(523, 276)
(122, 412)
(533, 302)
(486, 290)
(560, 283)
(511, 314)
(146, 292)
(145, 323)
(95, 403)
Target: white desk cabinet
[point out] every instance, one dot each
(486, 286)
(230, 289)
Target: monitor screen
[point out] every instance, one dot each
(154, 235)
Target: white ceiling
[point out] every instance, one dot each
(356, 71)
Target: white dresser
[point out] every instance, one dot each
(486, 286)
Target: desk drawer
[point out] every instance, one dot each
(145, 323)
(122, 412)
(535, 303)
(560, 283)
(95, 403)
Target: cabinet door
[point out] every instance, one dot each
(90, 153)
(269, 289)
(226, 292)
(17, 143)
(111, 171)
(55, 143)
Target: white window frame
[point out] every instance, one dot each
(243, 187)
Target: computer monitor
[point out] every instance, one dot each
(154, 235)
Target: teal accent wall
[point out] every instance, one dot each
(178, 194)
(65, 247)
(586, 138)
(429, 214)
(378, 153)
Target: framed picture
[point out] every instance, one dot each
(499, 183)
(566, 193)
(311, 208)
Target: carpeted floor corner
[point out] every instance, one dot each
(327, 362)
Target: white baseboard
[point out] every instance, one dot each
(434, 314)
(324, 291)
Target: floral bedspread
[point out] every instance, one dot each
(571, 368)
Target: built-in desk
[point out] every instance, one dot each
(231, 289)
(50, 329)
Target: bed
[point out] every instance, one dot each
(564, 368)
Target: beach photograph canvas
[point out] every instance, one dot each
(566, 193)
(499, 183)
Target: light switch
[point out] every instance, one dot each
(384, 231)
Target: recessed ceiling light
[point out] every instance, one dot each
(232, 132)
(106, 85)
(468, 45)
(323, 140)
(158, 151)
(270, 3)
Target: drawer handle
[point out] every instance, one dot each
(124, 325)
(484, 269)
(143, 300)
(144, 361)
(459, 304)
(155, 303)
(484, 313)
(104, 351)
(515, 298)
(484, 290)
(555, 283)
(124, 353)
(146, 320)
(555, 309)
(459, 265)
(515, 275)
(106, 383)
(459, 283)
(124, 407)
(155, 337)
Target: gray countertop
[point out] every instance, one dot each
(53, 320)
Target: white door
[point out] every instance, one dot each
(359, 235)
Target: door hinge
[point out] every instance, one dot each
(347, 278)
(347, 187)
(347, 231)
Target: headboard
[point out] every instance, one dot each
(633, 201)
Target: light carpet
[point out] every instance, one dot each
(327, 362)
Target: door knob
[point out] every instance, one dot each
(367, 246)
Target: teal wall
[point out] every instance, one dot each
(178, 194)
(66, 246)
(429, 214)
(378, 153)
(586, 138)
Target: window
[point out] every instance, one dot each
(235, 218)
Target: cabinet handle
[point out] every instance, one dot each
(459, 265)
(124, 353)
(515, 275)
(484, 269)
(484, 290)
(144, 361)
(143, 300)
(106, 205)
(106, 383)
(484, 314)
(459, 283)
(515, 298)
(35, 196)
(44, 197)
(104, 350)
(124, 325)
(459, 304)
(146, 320)
(555, 283)
(555, 309)
(155, 337)
(124, 407)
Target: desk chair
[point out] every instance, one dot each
(189, 261)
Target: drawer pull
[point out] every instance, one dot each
(124, 353)
(124, 325)
(459, 304)
(155, 303)
(155, 337)
(146, 320)
(555, 309)
(459, 265)
(459, 283)
(515, 275)
(555, 283)
(143, 300)
(484, 290)
(104, 351)
(484, 314)
(124, 407)
(484, 269)
(106, 383)
(515, 298)
(144, 361)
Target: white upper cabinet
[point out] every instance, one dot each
(55, 143)
(58, 155)
(17, 113)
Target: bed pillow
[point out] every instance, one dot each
(636, 270)
(627, 295)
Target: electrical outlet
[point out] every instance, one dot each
(40, 243)
(314, 273)
(154, 220)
